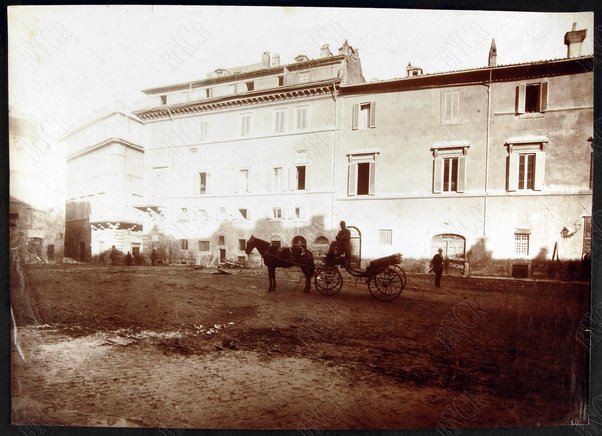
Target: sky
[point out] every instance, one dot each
(68, 64)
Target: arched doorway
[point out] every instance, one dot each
(320, 246)
(454, 251)
(356, 246)
(276, 240)
(299, 241)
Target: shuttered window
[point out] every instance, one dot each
(531, 98)
(449, 169)
(361, 175)
(364, 116)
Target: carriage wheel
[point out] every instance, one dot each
(328, 280)
(402, 273)
(386, 285)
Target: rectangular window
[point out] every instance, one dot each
(301, 117)
(221, 213)
(221, 240)
(531, 98)
(449, 169)
(242, 244)
(204, 246)
(362, 175)
(300, 170)
(243, 180)
(363, 178)
(385, 236)
(526, 171)
(245, 126)
(277, 213)
(364, 116)
(243, 213)
(183, 244)
(451, 107)
(279, 116)
(298, 214)
(280, 80)
(526, 166)
(521, 244)
(250, 86)
(277, 182)
(450, 174)
(203, 183)
(163, 99)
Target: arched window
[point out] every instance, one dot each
(300, 241)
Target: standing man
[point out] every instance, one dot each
(113, 256)
(128, 259)
(437, 266)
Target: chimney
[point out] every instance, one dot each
(413, 71)
(265, 59)
(325, 51)
(492, 55)
(574, 41)
(275, 60)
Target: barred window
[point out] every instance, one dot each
(521, 244)
(385, 236)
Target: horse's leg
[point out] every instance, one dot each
(307, 273)
(272, 278)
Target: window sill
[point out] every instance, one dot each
(532, 115)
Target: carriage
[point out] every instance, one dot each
(384, 277)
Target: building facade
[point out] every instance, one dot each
(492, 164)
(105, 170)
(36, 216)
(247, 151)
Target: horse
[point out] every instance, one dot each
(283, 257)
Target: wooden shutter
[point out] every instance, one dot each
(461, 186)
(437, 175)
(520, 99)
(352, 181)
(269, 176)
(372, 120)
(371, 187)
(307, 177)
(355, 114)
(512, 172)
(540, 170)
(292, 178)
(543, 102)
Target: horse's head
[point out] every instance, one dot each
(250, 245)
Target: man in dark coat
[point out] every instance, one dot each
(113, 256)
(437, 267)
(343, 240)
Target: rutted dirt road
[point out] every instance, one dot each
(177, 347)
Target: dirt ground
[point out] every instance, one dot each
(174, 347)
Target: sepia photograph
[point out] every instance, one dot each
(300, 218)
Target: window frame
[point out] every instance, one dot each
(449, 151)
(246, 126)
(520, 146)
(519, 246)
(352, 172)
(520, 103)
(279, 120)
(371, 118)
(304, 109)
(454, 118)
